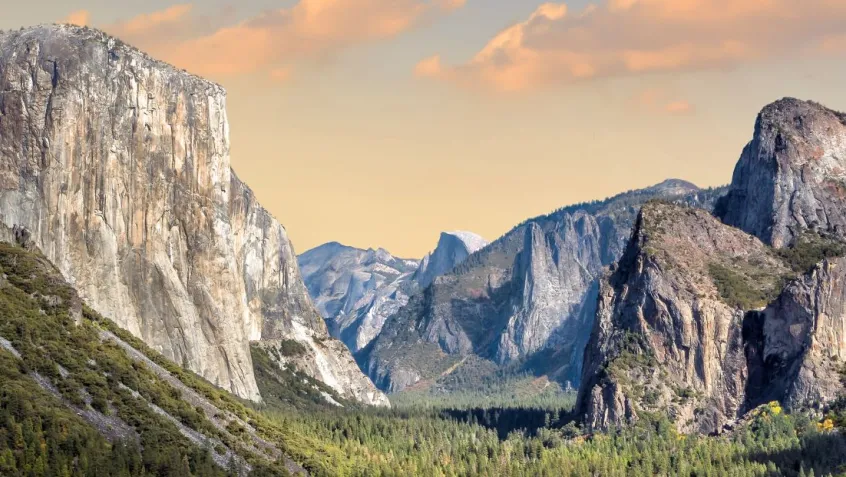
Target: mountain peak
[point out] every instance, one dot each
(791, 176)
(453, 248)
(674, 187)
(98, 100)
(71, 43)
(472, 241)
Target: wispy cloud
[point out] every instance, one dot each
(78, 18)
(269, 43)
(623, 37)
(660, 101)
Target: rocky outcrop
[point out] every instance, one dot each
(705, 322)
(357, 290)
(453, 248)
(276, 296)
(669, 330)
(118, 166)
(525, 301)
(803, 345)
(792, 176)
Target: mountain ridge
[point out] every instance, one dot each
(356, 290)
(499, 290)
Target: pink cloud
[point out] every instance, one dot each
(659, 101)
(272, 41)
(78, 18)
(625, 37)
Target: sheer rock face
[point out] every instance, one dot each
(804, 340)
(527, 299)
(453, 248)
(792, 176)
(356, 290)
(705, 321)
(118, 165)
(664, 338)
(674, 334)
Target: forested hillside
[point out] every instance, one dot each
(80, 397)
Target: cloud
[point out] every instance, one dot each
(78, 18)
(146, 24)
(678, 107)
(658, 101)
(281, 74)
(625, 37)
(270, 42)
(430, 67)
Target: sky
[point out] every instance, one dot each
(380, 123)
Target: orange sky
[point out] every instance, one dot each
(383, 122)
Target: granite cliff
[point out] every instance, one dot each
(524, 302)
(792, 176)
(357, 290)
(706, 321)
(117, 166)
(665, 337)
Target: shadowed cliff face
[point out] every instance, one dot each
(792, 176)
(665, 337)
(524, 301)
(118, 165)
(804, 340)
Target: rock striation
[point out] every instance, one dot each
(525, 301)
(453, 248)
(792, 176)
(705, 321)
(668, 335)
(357, 290)
(118, 166)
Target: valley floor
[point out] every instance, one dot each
(81, 397)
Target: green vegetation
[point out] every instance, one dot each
(633, 353)
(291, 348)
(809, 250)
(748, 288)
(43, 435)
(536, 442)
(518, 391)
(289, 389)
(60, 342)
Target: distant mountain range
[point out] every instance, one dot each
(356, 290)
(717, 300)
(524, 303)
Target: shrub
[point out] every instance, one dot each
(742, 291)
(809, 250)
(291, 348)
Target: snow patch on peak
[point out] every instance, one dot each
(472, 241)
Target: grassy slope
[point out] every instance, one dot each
(62, 342)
